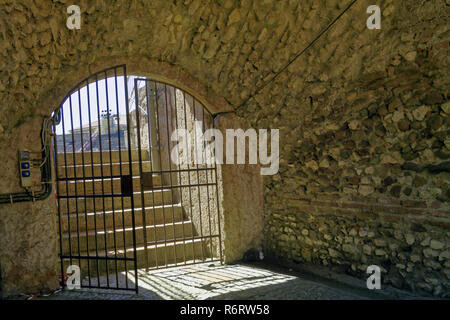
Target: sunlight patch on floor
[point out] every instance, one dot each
(203, 281)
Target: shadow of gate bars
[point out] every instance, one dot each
(123, 204)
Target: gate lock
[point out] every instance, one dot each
(147, 180)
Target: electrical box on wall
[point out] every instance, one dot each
(25, 169)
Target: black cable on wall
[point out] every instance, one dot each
(46, 176)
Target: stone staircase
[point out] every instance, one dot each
(98, 226)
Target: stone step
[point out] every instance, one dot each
(98, 157)
(153, 215)
(99, 170)
(158, 255)
(100, 186)
(120, 238)
(85, 204)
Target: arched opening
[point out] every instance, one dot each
(125, 199)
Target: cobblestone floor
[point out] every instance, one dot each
(226, 282)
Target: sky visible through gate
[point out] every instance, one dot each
(114, 101)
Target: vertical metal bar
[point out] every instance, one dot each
(92, 180)
(67, 187)
(198, 177)
(207, 182)
(162, 177)
(138, 128)
(102, 180)
(75, 176)
(84, 184)
(189, 178)
(155, 148)
(112, 180)
(131, 173)
(217, 199)
(120, 170)
(55, 143)
(179, 176)
(152, 115)
(170, 174)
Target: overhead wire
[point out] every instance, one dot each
(298, 55)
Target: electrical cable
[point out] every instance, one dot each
(46, 173)
(300, 53)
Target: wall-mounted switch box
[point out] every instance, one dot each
(25, 169)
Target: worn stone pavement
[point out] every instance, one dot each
(226, 282)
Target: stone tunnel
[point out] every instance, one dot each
(363, 114)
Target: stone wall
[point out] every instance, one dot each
(28, 231)
(241, 197)
(364, 174)
(363, 118)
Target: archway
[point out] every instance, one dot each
(123, 202)
(240, 187)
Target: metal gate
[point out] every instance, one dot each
(125, 202)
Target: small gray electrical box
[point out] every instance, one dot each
(25, 169)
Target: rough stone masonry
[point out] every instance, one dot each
(363, 116)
